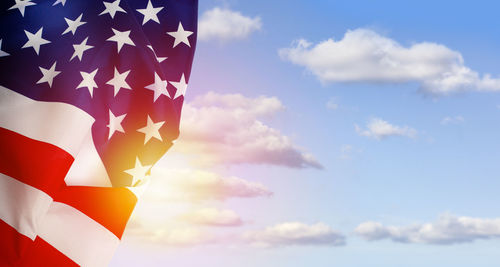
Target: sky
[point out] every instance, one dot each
(331, 133)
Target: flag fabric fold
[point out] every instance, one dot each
(90, 98)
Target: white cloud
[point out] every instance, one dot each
(345, 152)
(197, 185)
(448, 229)
(228, 129)
(212, 217)
(280, 235)
(224, 25)
(167, 212)
(167, 235)
(363, 55)
(380, 129)
(452, 120)
(295, 233)
(332, 104)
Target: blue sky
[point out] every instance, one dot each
(435, 158)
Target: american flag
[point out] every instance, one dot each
(90, 98)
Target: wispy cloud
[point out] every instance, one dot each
(167, 235)
(280, 235)
(448, 229)
(452, 120)
(332, 104)
(363, 55)
(212, 217)
(295, 233)
(169, 211)
(346, 152)
(225, 25)
(228, 129)
(379, 129)
(197, 185)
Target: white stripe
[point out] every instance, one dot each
(88, 169)
(60, 124)
(77, 236)
(22, 206)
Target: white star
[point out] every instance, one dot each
(35, 40)
(150, 13)
(181, 36)
(118, 81)
(159, 59)
(159, 87)
(80, 48)
(21, 5)
(88, 81)
(139, 172)
(151, 130)
(121, 38)
(111, 8)
(115, 124)
(73, 24)
(62, 2)
(181, 86)
(49, 74)
(3, 53)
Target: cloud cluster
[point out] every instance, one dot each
(279, 235)
(295, 233)
(165, 213)
(228, 129)
(363, 55)
(225, 25)
(212, 217)
(196, 185)
(448, 229)
(379, 129)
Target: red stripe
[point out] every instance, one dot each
(18, 250)
(44, 167)
(39, 164)
(110, 207)
(13, 245)
(43, 254)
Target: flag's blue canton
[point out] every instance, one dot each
(125, 62)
